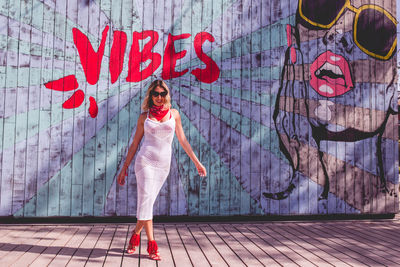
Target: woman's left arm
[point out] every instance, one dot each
(185, 144)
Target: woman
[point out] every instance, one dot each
(157, 123)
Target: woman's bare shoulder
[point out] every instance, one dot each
(175, 112)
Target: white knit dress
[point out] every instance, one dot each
(153, 163)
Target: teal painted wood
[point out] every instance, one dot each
(245, 146)
(262, 36)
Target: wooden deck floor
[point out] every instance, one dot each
(302, 243)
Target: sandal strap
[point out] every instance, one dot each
(135, 240)
(152, 247)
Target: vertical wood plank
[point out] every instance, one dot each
(226, 176)
(21, 120)
(204, 125)
(9, 125)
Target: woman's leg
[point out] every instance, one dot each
(135, 238)
(152, 247)
(148, 227)
(139, 226)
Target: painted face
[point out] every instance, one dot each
(348, 49)
(158, 96)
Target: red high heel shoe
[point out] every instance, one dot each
(152, 249)
(133, 243)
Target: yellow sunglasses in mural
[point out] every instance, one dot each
(374, 28)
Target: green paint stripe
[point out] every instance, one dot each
(22, 47)
(123, 14)
(72, 197)
(46, 75)
(241, 124)
(58, 114)
(44, 19)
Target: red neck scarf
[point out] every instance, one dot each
(158, 112)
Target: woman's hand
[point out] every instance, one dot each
(121, 176)
(201, 169)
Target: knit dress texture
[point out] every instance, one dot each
(153, 163)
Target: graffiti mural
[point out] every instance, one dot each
(338, 98)
(291, 106)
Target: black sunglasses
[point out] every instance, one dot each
(374, 28)
(155, 94)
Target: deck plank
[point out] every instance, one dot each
(289, 258)
(363, 246)
(98, 255)
(144, 259)
(65, 254)
(19, 243)
(225, 251)
(248, 240)
(323, 243)
(316, 248)
(380, 232)
(86, 247)
(301, 243)
(50, 252)
(272, 252)
(38, 249)
(295, 252)
(236, 245)
(195, 253)
(116, 250)
(181, 258)
(9, 235)
(341, 246)
(214, 258)
(299, 246)
(130, 259)
(163, 245)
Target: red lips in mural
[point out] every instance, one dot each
(330, 75)
(91, 62)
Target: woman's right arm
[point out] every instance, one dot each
(133, 147)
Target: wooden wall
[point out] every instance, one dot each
(289, 117)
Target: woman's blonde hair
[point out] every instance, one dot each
(148, 101)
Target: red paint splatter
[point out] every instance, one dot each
(93, 109)
(75, 100)
(171, 56)
(136, 56)
(211, 72)
(67, 83)
(117, 55)
(90, 60)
